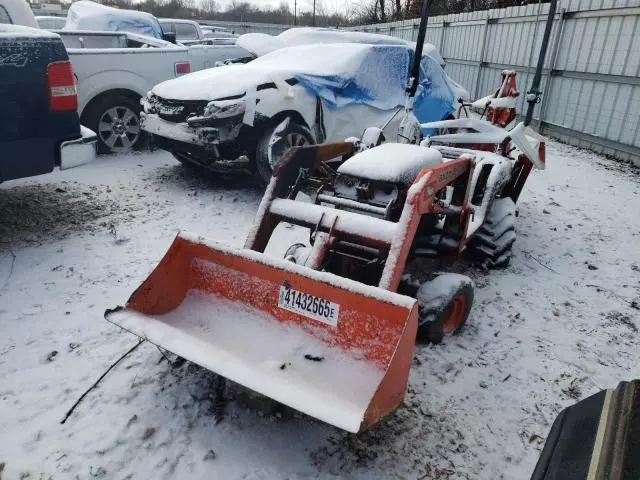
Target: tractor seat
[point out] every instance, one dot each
(391, 162)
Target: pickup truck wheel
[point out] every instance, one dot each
(275, 141)
(116, 120)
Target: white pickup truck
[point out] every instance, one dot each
(115, 69)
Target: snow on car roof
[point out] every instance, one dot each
(306, 36)
(261, 43)
(87, 15)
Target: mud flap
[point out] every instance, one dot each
(329, 347)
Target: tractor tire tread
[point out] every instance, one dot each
(492, 243)
(507, 223)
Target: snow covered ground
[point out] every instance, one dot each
(557, 325)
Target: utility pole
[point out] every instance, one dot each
(295, 12)
(314, 13)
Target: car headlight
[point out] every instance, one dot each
(149, 103)
(223, 110)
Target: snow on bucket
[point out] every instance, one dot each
(330, 347)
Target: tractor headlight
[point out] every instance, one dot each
(224, 110)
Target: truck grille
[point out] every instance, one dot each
(177, 111)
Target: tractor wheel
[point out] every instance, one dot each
(444, 304)
(491, 244)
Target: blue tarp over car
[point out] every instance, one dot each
(87, 15)
(375, 75)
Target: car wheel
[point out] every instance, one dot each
(116, 121)
(275, 141)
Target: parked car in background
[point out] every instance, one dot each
(220, 38)
(215, 29)
(115, 68)
(189, 32)
(17, 13)
(51, 23)
(262, 43)
(185, 30)
(219, 33)
(251, 113)
(39, 123)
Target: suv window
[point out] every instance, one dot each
(4, 15)
(186, 31)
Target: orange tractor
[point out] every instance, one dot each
(324, 330)
(330, 329)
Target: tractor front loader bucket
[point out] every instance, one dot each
(330, 347)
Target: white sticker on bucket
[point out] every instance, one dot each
(309, 305)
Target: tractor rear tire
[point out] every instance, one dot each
(444, 304)
(491, 244)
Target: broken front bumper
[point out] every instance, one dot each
(74, 153)
(203, 136)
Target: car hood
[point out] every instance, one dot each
(215, 83)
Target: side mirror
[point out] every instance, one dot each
(169, 37)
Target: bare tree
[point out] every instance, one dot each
(322, 14)
(242, 10)
(397, 14)
(209, 7)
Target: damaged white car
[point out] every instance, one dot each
(250, 114)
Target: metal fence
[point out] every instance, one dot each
(591, 83)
